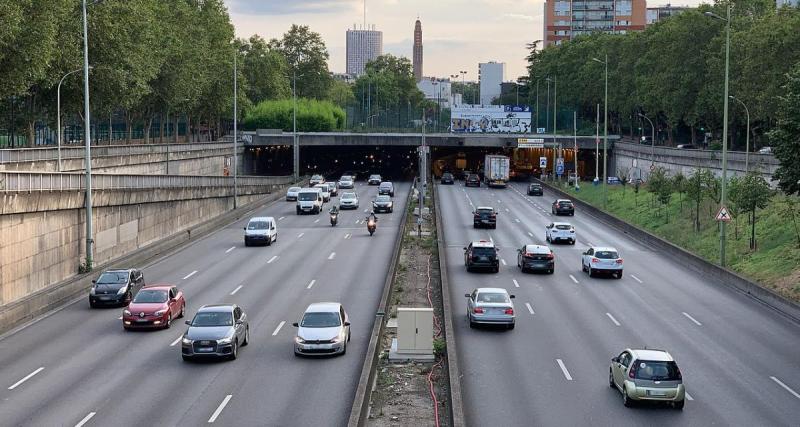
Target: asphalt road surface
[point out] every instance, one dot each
(740, 360)
(79, 367)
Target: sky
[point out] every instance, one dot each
(456, 34)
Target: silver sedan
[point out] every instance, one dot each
(490, 306)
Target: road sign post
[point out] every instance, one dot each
(723, 215)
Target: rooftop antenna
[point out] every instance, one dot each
(365, 14)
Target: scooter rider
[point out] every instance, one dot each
(334, 211)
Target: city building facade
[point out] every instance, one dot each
(567, 19)
(659, 13)
(781, 3)
(490, 75)
(362, 46)
(437, 90)
(417, 60)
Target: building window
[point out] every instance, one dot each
(624, 23)
(624, 8)
(561, 6)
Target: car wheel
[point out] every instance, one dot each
(92, 305)
(679, 405)
(547, 238)
(619, 275)
(611, 379)
(497, 269)
(344, 348)
(235, 350)
(471, 323)
(186, 358)
(169, 321)
(572, 242)
(591, 272)
(246, 337)
(625, 399)
(269, 242)
(583, 267)
(511, 326)
(183, 311)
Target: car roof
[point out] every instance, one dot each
(216, 308)
(262, 218)
(563, 200)
(294, 188)
(651, 354)
(118, 270)
(386, 183)
(484, 207)
(311, 189)
(562, 223)
(350, 193)
(497, 290)
(483, 244)
(158, 287)
(605, 248)
(541, 249)
(323, 307)
(375, 175)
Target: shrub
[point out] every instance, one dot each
(312, 116)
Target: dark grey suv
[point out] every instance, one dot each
(115, 287)
(216, 331)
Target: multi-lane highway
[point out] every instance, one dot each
(78, 367)
(740, 360)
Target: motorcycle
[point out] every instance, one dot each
(334, 218)
(372, 224)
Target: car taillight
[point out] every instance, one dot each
(678, 371)
(477, 216)
(493, 216)
(619, 260)
(509, 311)
(632, 372)
(551, 256)
(572, 231)
(595, 260)
(477, 310)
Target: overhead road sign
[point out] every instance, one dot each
(530, 142)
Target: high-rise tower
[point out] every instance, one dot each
(418, 50)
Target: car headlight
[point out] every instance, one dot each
(225, 340)
(186, 340)
(122, 290)
(336, 339)
(92, 291)
(126, 312)
(299, 340)
(160, 313)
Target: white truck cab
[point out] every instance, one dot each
(309, 200)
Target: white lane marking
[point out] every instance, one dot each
(588, 244)
(564, 370)
(530, 234)
(177, 340)
(507, 210)
(499, 201)
(366, 210)
(300, 235)
(491, 240)
(316, 220)
(347, 236)
(516, 284)
(573, 278)
(278, 329)
(689, 396)
(85, 419)
(612, 319)
(530, 309)
(119, 318)
(190, 275)
(274, 257)
(220, 408)
(780, 383)
(516, 219)
(503, 261)
(231, 248)
(636, 279)
(27, 377)
(692, 319)
(236, 290)
(332, 255)
(311, 284)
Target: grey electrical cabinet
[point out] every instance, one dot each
(415, 330)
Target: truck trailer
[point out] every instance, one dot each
(495, 170)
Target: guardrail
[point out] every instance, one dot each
(691, 157)
(38, 181)
(10, 155)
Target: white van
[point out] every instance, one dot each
(326, 191)
(261, 230)
(309, 200)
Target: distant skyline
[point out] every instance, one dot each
(458, 34)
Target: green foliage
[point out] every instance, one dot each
(312, 116)
(388, 82)
(748, 194)
(661, 186)
(439, 347)
(265, 70)
(341, 94)
(307, 58)
(786, 135)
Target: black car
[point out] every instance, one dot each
(386, 187)
(536, 257)
(535, 189)
(115, 287)
(484, 217)
(447, 178)
(383, 203)
(473, 180)
(563, 207)
(481, 254)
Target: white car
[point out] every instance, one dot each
(374, 179)
(261, 230)
(291, 194)
(602, 259)
(323, 330)
(346, 181)
(349, 200)
(316, 179)
(490, 306)
(560, 232)
(326, 192)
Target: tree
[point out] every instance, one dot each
(697, 191)
(387, 85)
(786, 135)
(660, 185)
(307, 58)
(265, 70)
(341, 94)
(789, 209)
(750, 193)
(312, 116)
(679, 184)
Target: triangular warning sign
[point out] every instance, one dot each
(724, 215)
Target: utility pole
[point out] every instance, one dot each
(294, 127)
(575, 155)
(555, 128)
(537, 105)
(235, 133)
(597, 148)
(87, 141)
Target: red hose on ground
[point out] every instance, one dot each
(439, 363)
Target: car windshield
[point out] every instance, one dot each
(150, 296)
(536, 186)
(294, 189)
(563, 227)
(349, 196)
(492, 297)
(374, 177)
(485, 211)
(386, 185)
(307, 197)
(606, 255)
(257, 225)
(657, 370)
(213, 318)
(316, 177)
(345, 178)
(320, 320)
(483, 251)
(565, 203)
(113, 278)
(383, 198)
(447, 175)
(473, 177)
(324, 187)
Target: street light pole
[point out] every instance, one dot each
(653, 140)
(547, 105)
(87, 141)
(294, 128)
(235, 133)
(537, 105)
(722, 201)
(58, 114)
(597, 147)
(555, 118)
(575, 154)
(605, 132)
(747, 137)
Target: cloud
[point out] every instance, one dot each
(283, 7)
(518, 16)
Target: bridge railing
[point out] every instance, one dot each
(35, 181)
(12, 155)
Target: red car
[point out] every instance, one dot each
(154, 307)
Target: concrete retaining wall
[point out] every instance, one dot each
(713, 273)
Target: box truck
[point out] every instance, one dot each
(496, 170)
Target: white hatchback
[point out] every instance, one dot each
(560, 232)
(602, 260)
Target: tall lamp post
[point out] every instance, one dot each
(537, 105)
(722, 224)
(747, 137)
(605, 132)
(235, 121)
(58, 113)
(653, 140)
(296, 151)
(87, 141)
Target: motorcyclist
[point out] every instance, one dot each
(372, 217)
(334, 211)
